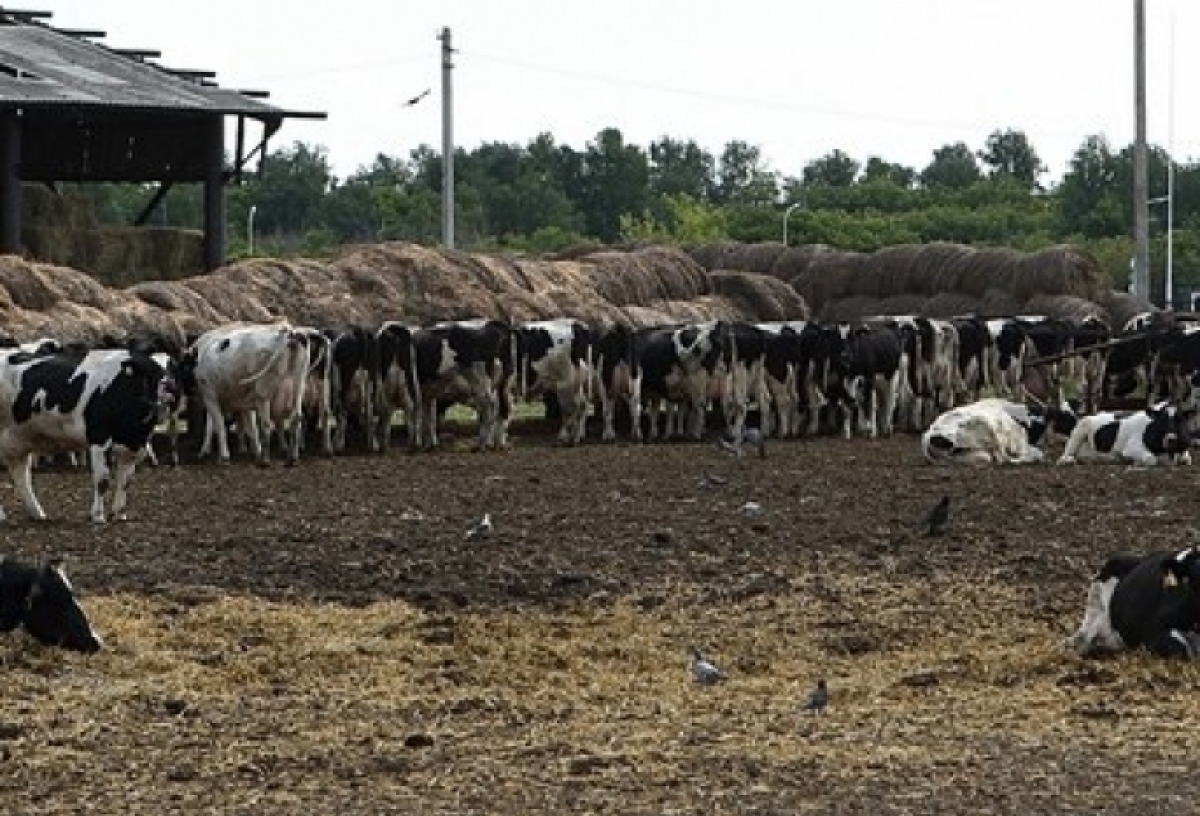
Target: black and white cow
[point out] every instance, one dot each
(257, 372)
(105, 402)
(789, 376)
(472, 360)
(353, 351)
(1006, 357)
(862, 376)
(394, 384)
(41, 600)
(995, 430)
(1157, 435)
(618, 378)
(1150, 602)
(556, 360)
(974, 352)
(678, 367)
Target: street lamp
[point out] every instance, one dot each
(799, 205)
(250, 229)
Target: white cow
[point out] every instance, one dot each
(257, 372)
(557, 359)
(983, 432)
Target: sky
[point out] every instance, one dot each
(895, 79)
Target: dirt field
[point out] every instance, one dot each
(322, 639)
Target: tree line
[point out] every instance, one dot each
(547, 197)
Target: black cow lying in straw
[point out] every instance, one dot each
(42, 600)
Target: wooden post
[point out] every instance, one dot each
(214, 192)
(10, 183)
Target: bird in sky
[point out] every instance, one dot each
(817, 699)
(418, 98)
(480, 529)
(939, 514)
(703, 671)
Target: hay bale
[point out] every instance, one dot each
(849, 309)
(950, 304)
(759, 297)
(1063, 307)
(829, 276)
(1122, 306)
(910, 304)
(998, 303)
(1060, 270)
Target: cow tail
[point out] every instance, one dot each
(276, 356)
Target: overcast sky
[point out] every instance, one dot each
(799, 78)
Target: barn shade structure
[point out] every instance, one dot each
(75, 110)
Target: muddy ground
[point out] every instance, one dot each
(321, 638)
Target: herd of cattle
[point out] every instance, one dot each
(281, 384)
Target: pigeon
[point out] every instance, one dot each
(713, 480)
(480, 529)
(937, 518)
(817, 699)
(750, 438)
(704, 672)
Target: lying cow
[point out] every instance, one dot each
(105, 402)
(994, 430)
(1157, 435)
(42, 601)
(1150, 602)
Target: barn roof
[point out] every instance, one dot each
(42, 67)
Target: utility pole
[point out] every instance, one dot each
(1141, 207)
(447, 140)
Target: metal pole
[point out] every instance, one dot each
(250, 229)
(447, 140)
(786, 215)
(1169, 284)
(1141, 215)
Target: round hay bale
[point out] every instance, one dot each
(759, 297)
(847, 310)
(829, 276)
(795, 260)
(1122, 306)
(1060, 270)
(998, 303)
(713, 255)
(757, 258)
(1063, 307)
(910, 304)
(25, 287)
(950, 304)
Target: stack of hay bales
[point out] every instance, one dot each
(934, 280)
(367, 285)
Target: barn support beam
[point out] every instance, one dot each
(214, 192)
(10, 183)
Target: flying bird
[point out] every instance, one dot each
(480, 529)
(817, 699)
(939, 514)
(703, 671)
(417, 98)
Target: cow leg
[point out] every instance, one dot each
(101, 480)
(124, 463)
(20, 468)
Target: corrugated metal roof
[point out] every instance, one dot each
(42, 67)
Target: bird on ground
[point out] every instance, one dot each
(750, 438)
(481, 528)
(939, 514)
(703, 671)
(817, 699)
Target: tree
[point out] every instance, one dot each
(679, 168)
(953, 166)
(1009, 154)
(290, 191)
(613, 183)
(743, 177)
(878, 170)
(1087, 194)
(834, 169)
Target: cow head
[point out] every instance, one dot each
(42, 600)
(1169, 432)
(1047, 420)
(1184, 570)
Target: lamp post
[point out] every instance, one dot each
(799, 205)
(1169, 200)
(250, 229)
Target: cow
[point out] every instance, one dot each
(989, 430)
(678, 367)
(617, 377)
(393, 383)
(353, 356)
(473, 360)
(105, 402)
(42, 601)
(862, 380)
(257, 372)
(315, 413)
(974, 351)
(740, 381)
(1157, 435)
(1149, 602)
(556, 360)
(789, 376)
(1006, 357)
